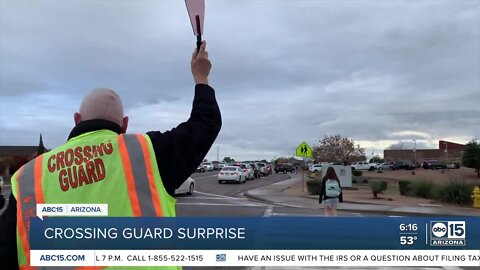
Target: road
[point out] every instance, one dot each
(214, 199)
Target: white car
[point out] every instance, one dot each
(231, 174)
(316, 167)
(363, 165)
(188, 187)
(208, 166)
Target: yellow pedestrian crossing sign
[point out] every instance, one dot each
(304, 150)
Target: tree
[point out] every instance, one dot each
(41, 148)
(471, 156)
(376, 159)
(281, 160)
(335, 148)
(228, 160)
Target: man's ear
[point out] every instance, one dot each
(125, 124)
(77, 118)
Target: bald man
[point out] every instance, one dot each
(102, 103)
(99, 125)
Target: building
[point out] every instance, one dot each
(14, 157)
(447, 152)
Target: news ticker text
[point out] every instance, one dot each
(255, 258)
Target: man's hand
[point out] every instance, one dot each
(201, 65)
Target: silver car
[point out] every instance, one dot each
(248, 171)
(263, 168)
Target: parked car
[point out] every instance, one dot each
(402, 166)
(437, 166)
(231, 174)
(363, 165)
(454, 165)
(200, 169)
(425, 165)
(208, 166)
(316, 168)
(284, 167)
(383, 166)
(188, 187)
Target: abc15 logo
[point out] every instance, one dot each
(448, 229)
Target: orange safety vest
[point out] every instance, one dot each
(95, 167)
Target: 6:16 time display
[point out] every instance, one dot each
(409, 227)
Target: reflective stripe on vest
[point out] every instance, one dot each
(140, 179)
(139, 175)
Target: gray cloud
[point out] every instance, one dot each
(284, 71)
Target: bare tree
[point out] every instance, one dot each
(335, 148)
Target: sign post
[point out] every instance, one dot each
(303, 150)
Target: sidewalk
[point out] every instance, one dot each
(290, 193)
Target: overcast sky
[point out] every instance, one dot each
(379, 72)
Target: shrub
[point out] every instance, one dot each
(356, 173)
(405, 187)
(423, 189)
(384, 186)
(315, 175)
(313, 186)
(377, 187)
(456, 192)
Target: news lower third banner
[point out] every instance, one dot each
(255, 241)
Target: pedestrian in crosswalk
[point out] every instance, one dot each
(330, 192)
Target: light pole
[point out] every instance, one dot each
(415, 152)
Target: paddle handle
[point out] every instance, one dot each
(199, 36)
(199, 42)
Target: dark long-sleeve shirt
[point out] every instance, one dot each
(178, 153)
